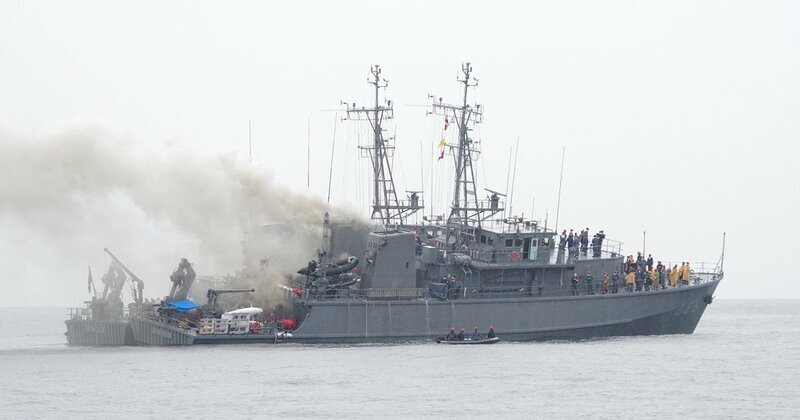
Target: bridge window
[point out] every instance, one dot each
(509, 243)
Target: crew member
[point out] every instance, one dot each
(451, 336)
(615, 282)
(673, 276)
(575, 284)
(476, 335)
(686, 273)
(589, 283)
(605, 283)
(460, 335)
(630, 279)
(491, 332)
(654, 278)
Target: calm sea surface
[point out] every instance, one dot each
(743, 361)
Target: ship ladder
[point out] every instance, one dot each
(467, 277)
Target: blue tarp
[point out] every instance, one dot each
(182, 305)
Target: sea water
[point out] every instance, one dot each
(743, 361)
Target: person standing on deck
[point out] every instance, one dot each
(686, 273)
(640, 262)
(605, 283)
(662, 277)
(639, 279)
(649, 262)
(589, 283)
(673, 276)
(570, 243)
(681, 272)
(562, 242)
(585, 242)
(654, 278)
(575, 284)
(615, 282)
(630, 279)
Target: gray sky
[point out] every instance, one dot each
(679, 118)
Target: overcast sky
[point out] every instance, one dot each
(679, 118)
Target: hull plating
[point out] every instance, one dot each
(672, 311)
(81, 332)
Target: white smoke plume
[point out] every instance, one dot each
(65, 197)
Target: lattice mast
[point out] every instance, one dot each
(386, 206)
(466, 211)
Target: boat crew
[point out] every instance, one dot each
(476, 335)
(491, 332)
(451, 336)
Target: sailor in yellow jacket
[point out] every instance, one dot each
(630, 279)
(673, 276)
(686, 273)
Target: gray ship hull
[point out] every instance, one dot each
(155, 333)
(671, 311)
(82, 332)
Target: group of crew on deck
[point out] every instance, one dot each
(640, 275)
(579, 243)
(476, 335)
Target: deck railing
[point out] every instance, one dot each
(705, 272)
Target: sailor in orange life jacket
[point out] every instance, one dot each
(686, 273)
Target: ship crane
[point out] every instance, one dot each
(138, 283)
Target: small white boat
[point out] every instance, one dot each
(492, 340)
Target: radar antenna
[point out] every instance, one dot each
(386, 206)
(466, 211)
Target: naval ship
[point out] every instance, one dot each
(476, 267)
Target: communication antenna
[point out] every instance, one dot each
(386, 206)
(513, 180)
(333, 148)
(466, 211)
(560, 180)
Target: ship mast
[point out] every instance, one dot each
(466, 211)
(386, 206)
